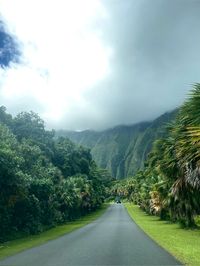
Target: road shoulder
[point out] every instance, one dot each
(181, 243)
(15, 246)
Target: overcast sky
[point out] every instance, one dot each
(95, 64)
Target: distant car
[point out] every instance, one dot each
(118, 199)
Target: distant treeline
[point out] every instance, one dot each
(43, 181)
(169, 186)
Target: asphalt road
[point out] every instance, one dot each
(113, 239)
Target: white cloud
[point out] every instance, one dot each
(63, 54)
(70, 75)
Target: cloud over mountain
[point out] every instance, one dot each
(101, 63)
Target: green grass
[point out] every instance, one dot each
(15, 246)
(183, 244)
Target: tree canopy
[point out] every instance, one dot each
(169, 186)
(44, 180)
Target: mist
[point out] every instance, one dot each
(98, 65)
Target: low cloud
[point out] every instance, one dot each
(102, 63)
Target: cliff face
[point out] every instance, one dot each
(122, 149)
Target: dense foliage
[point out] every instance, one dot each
(44, 180)
(170, 184)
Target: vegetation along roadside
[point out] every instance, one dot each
(15, 246)
(183, 244)
(44, 181)
(168, 187)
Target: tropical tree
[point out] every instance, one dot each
(44, 181)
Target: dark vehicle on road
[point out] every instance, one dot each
(118, 200)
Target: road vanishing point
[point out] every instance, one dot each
(112, 239)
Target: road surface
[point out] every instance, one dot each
(113, 239)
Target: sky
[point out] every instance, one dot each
(94, 64)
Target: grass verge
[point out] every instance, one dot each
(15, 246)
(183, 244)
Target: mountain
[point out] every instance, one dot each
(122, 150)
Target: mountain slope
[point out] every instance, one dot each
(122, 149)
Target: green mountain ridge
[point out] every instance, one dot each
(122, 150)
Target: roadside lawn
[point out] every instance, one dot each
(15, 246)
(184, 244)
